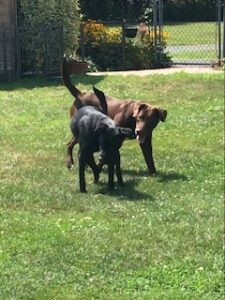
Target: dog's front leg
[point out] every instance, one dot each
(146, 148)
(111, 175)
(118, 169)
(70, 146)
(81, 173)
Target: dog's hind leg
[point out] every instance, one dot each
(96, 170)
(70, 146)
(111, 175)
(81, 173)
(118, 169)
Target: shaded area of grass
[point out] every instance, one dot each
(156, 238)
(40, 82)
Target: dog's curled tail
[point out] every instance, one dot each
(66, 78)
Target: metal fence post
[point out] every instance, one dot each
(82, 47)
(155, 28)
(61, 50)
(219, 29)
(4, 52)
(123, 45)
(160, 46)
(18, 54)
(157, 25)
(223, 29)
(46, 52)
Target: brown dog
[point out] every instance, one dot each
(142, 118)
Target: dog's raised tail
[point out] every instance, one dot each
(102, 100)
(66, 78)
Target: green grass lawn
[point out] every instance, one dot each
(194, 55)
(156, 238)
(192, 33)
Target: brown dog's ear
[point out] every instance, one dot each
(137, 107)
(162, 114)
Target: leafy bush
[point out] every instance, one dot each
(103, 44)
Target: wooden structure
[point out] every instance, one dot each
(7, 39)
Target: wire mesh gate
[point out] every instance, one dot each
(197, 43)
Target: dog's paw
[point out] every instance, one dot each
(152, 174)
(70, 164)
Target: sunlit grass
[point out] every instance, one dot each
(156, 238)
(192, 33)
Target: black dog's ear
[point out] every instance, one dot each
(126, 133)
(162, 114)
(101, 97)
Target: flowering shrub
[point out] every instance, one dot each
(104, 47)
(96, 33)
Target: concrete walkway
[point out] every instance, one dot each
(172, 70)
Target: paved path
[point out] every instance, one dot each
(172, 70)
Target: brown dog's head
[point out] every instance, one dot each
(147, 117)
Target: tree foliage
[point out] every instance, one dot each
(189, 10)
(175, 10)
(113, 10)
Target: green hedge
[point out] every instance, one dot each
(39, 14)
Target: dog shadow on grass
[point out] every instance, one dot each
(171, 176)
(160, 176)
(126, 192)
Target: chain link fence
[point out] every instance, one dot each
(186, 42)
(135, 36)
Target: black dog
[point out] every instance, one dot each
(95, 131)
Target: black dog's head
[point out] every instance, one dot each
(111, 139)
